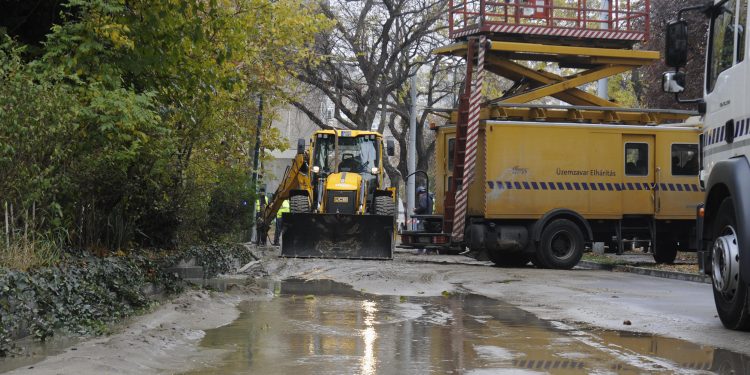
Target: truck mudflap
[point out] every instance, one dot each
(310, 235)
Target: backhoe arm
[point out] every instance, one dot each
(295, 178)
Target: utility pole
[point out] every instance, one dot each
(411, 153)
(602, 86)
(254, 179)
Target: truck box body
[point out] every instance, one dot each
(526, 169)
(542, 190)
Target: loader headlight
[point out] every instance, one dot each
(374, 170)
(316, 169)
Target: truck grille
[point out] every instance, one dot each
(343, 202)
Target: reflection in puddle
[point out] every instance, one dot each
(322, 327)
(29, 351)
(368, 336)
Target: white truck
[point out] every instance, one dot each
(724, 219)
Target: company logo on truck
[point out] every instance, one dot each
(585, 172)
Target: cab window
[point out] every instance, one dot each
(721, 45)
(358, 154)
(685, 159)
(636, 159)
(741, 26)
(323, 152)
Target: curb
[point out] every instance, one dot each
(647, 272)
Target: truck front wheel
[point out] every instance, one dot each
(561, 245)
(730, 290)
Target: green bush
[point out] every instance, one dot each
(81, 295)
(133, 123)
(229, 210)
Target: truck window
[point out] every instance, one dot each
(451, 148)
(685, 159)
(358, 154)
(636, 159)
(741, 26)
(721, 47)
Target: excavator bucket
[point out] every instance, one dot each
(314, 235)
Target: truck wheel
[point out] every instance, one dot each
(384, 206)
(299, 204)
(730, 288)
(561, 245)
(665, 250)
(506, 259)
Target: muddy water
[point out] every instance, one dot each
(29, 351)
(327, 328)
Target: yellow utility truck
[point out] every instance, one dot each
(548, 167)
(340, 206)
(543, 190)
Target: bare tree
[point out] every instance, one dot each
(368, 58)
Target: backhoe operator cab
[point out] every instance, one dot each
(347, 173)
(724, 220)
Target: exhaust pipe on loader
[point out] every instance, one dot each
(342, 236)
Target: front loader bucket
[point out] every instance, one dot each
(309, 235)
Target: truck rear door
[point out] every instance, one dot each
(638, 176)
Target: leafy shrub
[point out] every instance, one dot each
(82, 295)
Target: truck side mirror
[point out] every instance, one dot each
(676, 44)
(301, 146)
(673, 82)
(390, 147)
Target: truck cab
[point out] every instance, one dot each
(724, 219)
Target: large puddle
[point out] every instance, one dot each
(322, 327)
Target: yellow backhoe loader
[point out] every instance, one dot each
(340, 206)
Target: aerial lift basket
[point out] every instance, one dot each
(343, 236)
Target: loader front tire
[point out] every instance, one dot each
(299, 204)
(561, 245)
(385, 206)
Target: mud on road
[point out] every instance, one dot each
(168, 339)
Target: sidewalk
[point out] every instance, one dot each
(684, 268)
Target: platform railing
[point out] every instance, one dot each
(621, 19)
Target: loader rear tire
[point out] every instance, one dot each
(385, 206)
(299, 204)
(561, 245)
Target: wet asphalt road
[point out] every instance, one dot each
(420, 314)
(323, 327)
